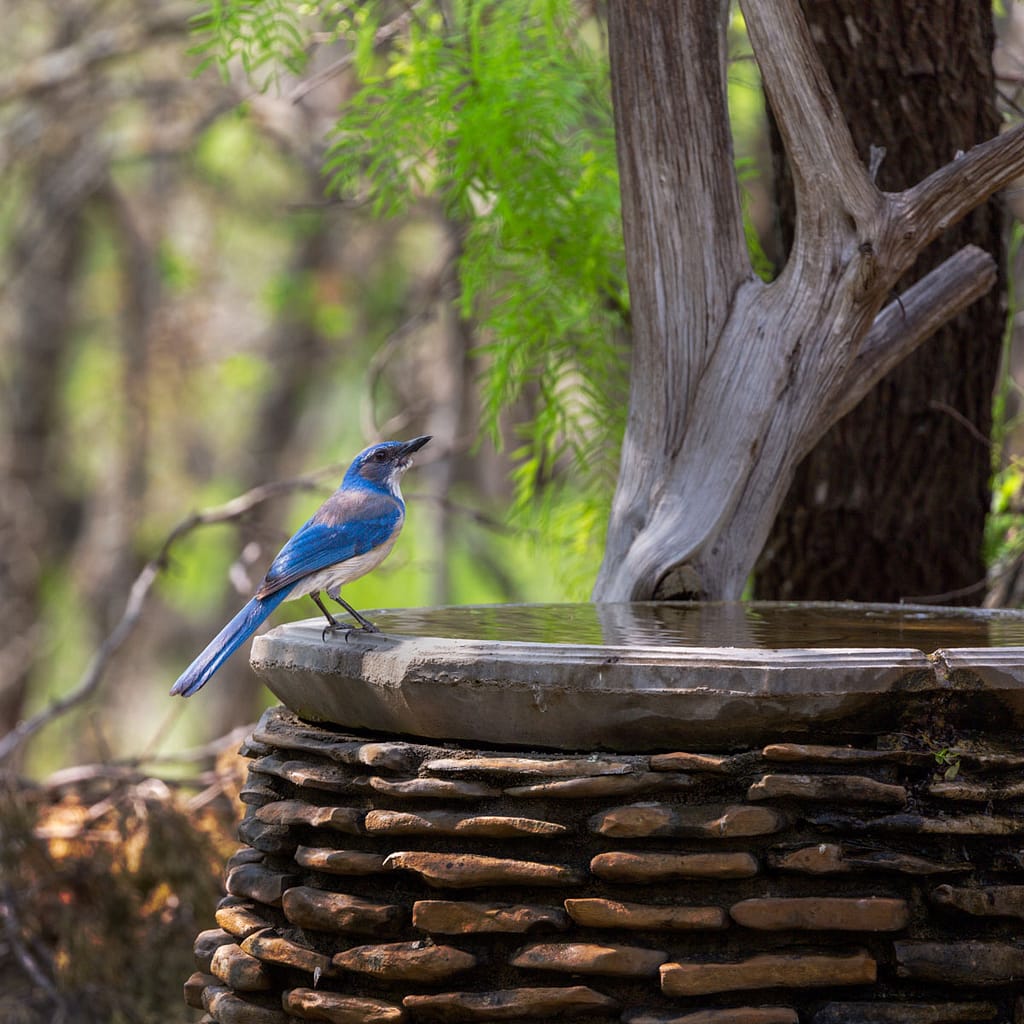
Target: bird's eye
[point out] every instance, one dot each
(380, 455)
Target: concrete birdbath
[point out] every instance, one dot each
(653, 813)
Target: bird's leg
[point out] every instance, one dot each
(332, 623)
(364, 623)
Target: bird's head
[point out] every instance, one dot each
(383, 464)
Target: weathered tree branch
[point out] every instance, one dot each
(828, 175)
(912, 319)
(923, 212)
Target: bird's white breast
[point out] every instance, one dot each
(336, 576)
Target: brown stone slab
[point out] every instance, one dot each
(734, 1015)
(238, 970)
(903, 1013)
(833, 788)
(256, 792)
(903, 863)
(591, 958)
(239, 917)
(822, 913)
(622, 866)
(336, 912)
(391, 756)
(192, 990)
(272, 839)
(988, 901)
(509, 1004)
(643, 820)
(604, 785)
(449, 917)
(767, 970)
(339, 862)
(960, 963)
(274, 949)
(467, 870)
(820, 859)
(421, 961)
(975, 792)
(820, 753)
(207, 943)
(310, 1004)
(681, 761)
(298, 812)
(953, 825)
(243, 855)
(602, 913)
(227, 1008)
(259, 883)
(433, 789)
(304, 774)
(561, 767)
(455, 823)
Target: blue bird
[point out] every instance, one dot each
(351, 533)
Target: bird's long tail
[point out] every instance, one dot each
(226, 642)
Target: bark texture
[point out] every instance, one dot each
(734, 380)
(891, 504)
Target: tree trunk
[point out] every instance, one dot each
(891, 504)
(735, 380)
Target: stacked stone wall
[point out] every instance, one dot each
(385, 881)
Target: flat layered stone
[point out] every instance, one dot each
(192, 990)
(598, 786)
(256, 792)
(243, 855)
(591, 958)
(820, 859)
(767, 970)
(239, 918)
(420, 961)
(602, 913)
(467, 870)
(988, 901)
(227, 1008)
(556, 767)
(824, 754)
(975, 792)
(311, 1004)
(238, 970)
(954, 825)
(903, 863)
(680, 761)
(622, 866)
(822, 913)
(448, 917)
(903, 1013)
(274, 949)
(272, 839)
(339, 862)
(960, 963)
(207, 943)
(833, 788)
(304, 774)
(433, 789)
(336, 912)
(455, 823)
(298, 812)
(391, 756)
(259, 883)
(509, 1004)
(643, 820)
(734, 1015)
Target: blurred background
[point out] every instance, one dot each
(221, 278)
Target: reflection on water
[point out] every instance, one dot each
(686, 624)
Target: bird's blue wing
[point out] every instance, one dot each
(345, 526)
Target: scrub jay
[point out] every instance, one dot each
(350, 534)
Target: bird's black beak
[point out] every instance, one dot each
(408, 447)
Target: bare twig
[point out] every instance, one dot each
(93, 676)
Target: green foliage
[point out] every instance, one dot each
(501, 113)
(263, 35)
